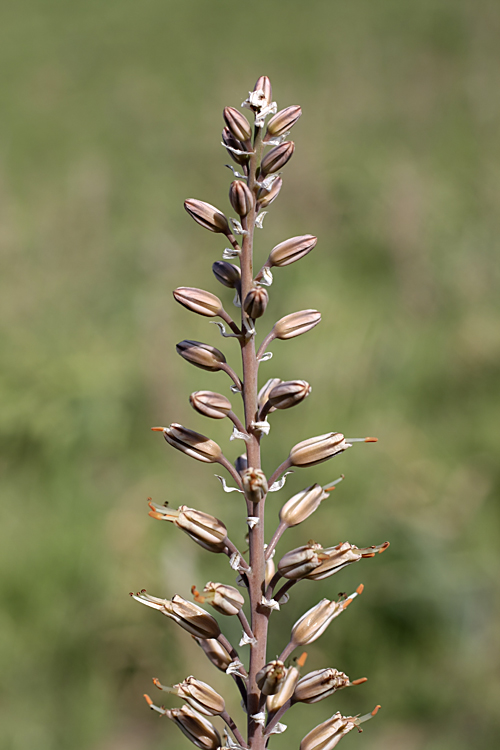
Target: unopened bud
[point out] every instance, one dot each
(215, 652)
(196, 727)
(277, 158)
(327, 735)
(266, 197)
(237, 124)
(189, 616)
(319, 684)
(192, 443)
(202, 355)
(255, 484)
(198, 694)
(270, 677)
(289, 393)
(299, 562)
(334, 559)
(225, 599)
(296, 323)
(198, 301)
(315, 621)
(285, 692)
(256, 302)
(270, 571)
(317, 449)
(233, 145)
(203, 528)
(302, 505)
(264, 392)
(241, 197)
(241, 463)
(207, 216)
(291, 250)
(283, 121)
(210, 404)
(226, 273)
(263, 85)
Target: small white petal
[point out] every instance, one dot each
(266, 277)
(280, 483)
(260, 218)
(263, 427)
(236, 299)
(246, 640)
(225, 486)
(237, 435)
(259, 718)
(222, 329)
(230, 252)
(234, 171)
(278, 729)
(236, 226)
(266, 356)
(235, 389)
(284, 599)
(236, 151)
(252, 521)
(270, 603)
(236, 667)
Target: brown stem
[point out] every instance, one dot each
(245, 624)
(279, 471)
(276, 717)
(229, 370)
(230, 468)
(236, 421)
(284, 589)
(228, 646)
(272, 585)
(275, 539)
(234, 729)
(233, 549)
(262, 348)
(287, 651)
(228, 319)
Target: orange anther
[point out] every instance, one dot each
(302, 659)
(371, 440)
(157, 429)
(375, 710)
(157, 683)
(360, 588)
(360, 681)
(148, 699)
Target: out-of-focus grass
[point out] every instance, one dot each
(110, 117)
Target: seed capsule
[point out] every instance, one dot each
(225, 599)
(210, 404)
(198, 301)
(317, 685)
(283, 121)
(196, 727)
(237, 124)
(207, 216)
(241, 198)
(302, 505)
(215, 652)
(233, 143)
(270, 677)
(255, 484)
(277, 158)
(285, 692)
(315, 621)
(192, 443)
(296, 323)
(256, 302)
(204, 529)
(317, 449)
(198, 694)
(202, 355)
(289, 393)
(189, 616)
(299, 562)
(289, 251)
(226, 273)
(266, 197)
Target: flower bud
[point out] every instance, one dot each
(237, 124)
(296, 323)
(256, 302)
(270, 571)
(291, 250)
(319, 684)
(204, 529)
(189, 616)
(241, 197)
(207, 216)
(285, 692)
(226, 273)
(255, 484)
(317, 449)
(200, 696)
(263, 85)
(192, 443)
(302, 505)
(276, 158)
(334, 559)
(198, 301)
(202, 355)
(327, 735)
(241, 463)
(289, 393)
(199, 730)
(270, 677)
(266, 197)
(215, 652)
(233, 143)
(315, 621)
(299, 562)
(283, 121)
(225, 599)
(210, 404)
(264, 392)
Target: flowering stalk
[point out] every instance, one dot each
(268, 688)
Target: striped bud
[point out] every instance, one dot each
(299, 562)
(189, 616)
(256, 302)
(296, 323)
(210, 404)
(283, 121)
(192, 443)
(241, 463)
(198, 301)
(333, 559)
(226, 273)
(241, 198)
(291, 250)
(202, 355)
(289, 393)
(198, 694)
(266, 197)
(225, 599)
(207, 216)
(285, 692)
(263, 84)
(270, 677)
(317, 685)
(327, 735)
(215, 652)
(264, 392)
(302, 505)
(237, 124)
(315, 621)
(255, 484)
(204, 529)
(270, 571)
(276, 158)
(317, 449)
(199, 730)
(232, 143)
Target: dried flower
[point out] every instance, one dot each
(206, 530)
(327, 735)
(285, 692)
(255, 484)
(270, 677)
(215, 652)
(189, 616)
(315, 621)
(302, 505)
(317, 449)
(223, 598)
(199, 730)
(191, 443)
(321, 683)
(198, 694)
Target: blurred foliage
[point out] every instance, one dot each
(110, 117)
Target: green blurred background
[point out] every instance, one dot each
(110, 115)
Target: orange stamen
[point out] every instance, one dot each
(371, 440)
(360, 681)
(157, 429)
(360, 588)
(148, 699)
(302, 659)
(375, 710)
